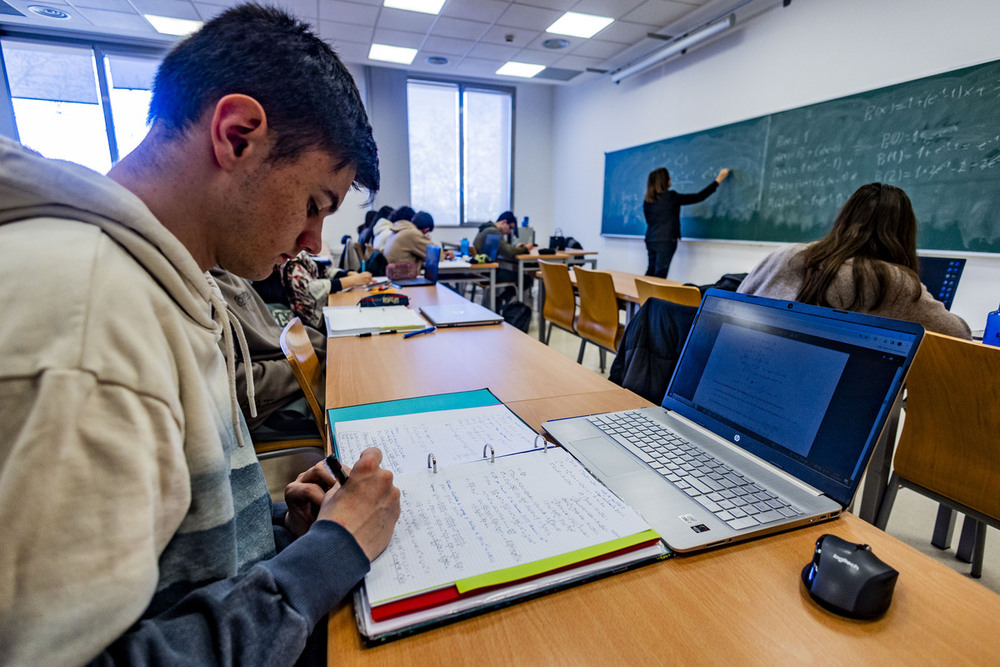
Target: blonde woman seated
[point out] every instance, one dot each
(867, 263)
(308, 284)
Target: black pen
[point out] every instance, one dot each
(418, 332)
(338, 470)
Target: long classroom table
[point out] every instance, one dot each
(742, 604)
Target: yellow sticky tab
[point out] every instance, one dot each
(519, 572)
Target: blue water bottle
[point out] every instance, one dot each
(991, 336)
(465, 247)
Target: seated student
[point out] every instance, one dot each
(506, 224)
(137, 523)
(867, 263)
(367, 232)
(409, 240)
(382, 229)
(308, 284)
(274, 384)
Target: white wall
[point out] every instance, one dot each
(384, 92)
(786, 57)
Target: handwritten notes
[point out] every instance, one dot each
(471, 519)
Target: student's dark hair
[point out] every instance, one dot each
(370, 218)
(424, 221)
(384, 212)
(402, 213)
(657, 183)
(875, 226)
(310, 99)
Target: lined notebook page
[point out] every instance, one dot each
(453, 436)
(469, 520)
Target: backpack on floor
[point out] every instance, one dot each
(517, 314)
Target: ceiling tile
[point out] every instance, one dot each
(398, 19)
(521, 36)
(522, 16)
(447, 45)
(658, 13)
(578, 62)
(108, 5)
(623, 32)
(449, 27)
(478, 10)
(493, 51)
(411, 40)
(338, 30)
(594, 48)
(349, 12)
(178, 9)
(131, 22)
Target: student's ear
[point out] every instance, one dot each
(239, 130)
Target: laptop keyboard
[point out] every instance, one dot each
(718, 488)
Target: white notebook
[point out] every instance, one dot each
(358, 321)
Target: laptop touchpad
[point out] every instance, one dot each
(609, 458)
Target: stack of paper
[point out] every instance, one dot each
(358, 321)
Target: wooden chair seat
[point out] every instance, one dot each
(560, 297)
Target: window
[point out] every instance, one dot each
(460, 150)
(56, 94)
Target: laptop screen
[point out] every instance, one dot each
(940, 275)
(805, 388)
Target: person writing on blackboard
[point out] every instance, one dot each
(662, 208)
(867, 264)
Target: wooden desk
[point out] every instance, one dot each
(744, 603)
(529, 261)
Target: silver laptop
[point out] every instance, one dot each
(768, 422)
(459, 315)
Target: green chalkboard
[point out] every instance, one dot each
(938, 138)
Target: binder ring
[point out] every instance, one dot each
(545, 443)
(432, 462)
(492, 456)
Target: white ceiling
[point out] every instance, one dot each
(476, 36)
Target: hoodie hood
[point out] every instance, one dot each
(32, 186)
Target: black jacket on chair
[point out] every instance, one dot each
(650, 348)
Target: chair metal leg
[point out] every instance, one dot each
(603, 357)
(579, 357)
(888, 498)
(548, 334)
(967, 542)
(944, 526)
(980, 550)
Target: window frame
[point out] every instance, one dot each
(99, 48)
(462, 86)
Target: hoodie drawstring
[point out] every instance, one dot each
(229, 323)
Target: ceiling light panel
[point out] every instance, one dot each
(168, 25)
(575, 24)
(422, 6)
(523, 70)
(392, 54)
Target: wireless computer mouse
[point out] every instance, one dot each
(848, 579)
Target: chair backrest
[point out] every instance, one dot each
(949, 439)
(560, 299)
(686, 295)
(308, 371)
(598, 318)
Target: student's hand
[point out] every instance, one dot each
(367, 505)
(722, 175)
(304, 497)
(449, 254)
(352, 279)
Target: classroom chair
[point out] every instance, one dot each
(308, 371)
(948, 449)
(560, 298)
(598, 319)
(687, 295)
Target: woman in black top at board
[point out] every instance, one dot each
(662, 208)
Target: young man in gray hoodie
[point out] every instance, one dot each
(136, 523)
